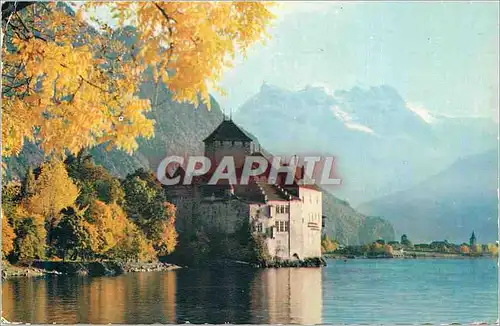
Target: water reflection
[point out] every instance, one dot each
(198, 296)
(287, 296)
(124, 299)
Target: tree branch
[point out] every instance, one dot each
(167, 17)
(10, 7)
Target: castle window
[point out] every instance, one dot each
(287, 209)
(259, 227)
(282, 226)
(287, 226)
(277, 225)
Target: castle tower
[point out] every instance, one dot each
(472, 240)
(228, 140)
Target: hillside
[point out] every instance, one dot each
(349, 226)
(448, 205)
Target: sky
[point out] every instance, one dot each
(442, 57)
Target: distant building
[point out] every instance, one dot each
(288, 216)
(472, 240)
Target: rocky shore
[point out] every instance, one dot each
(278, 263)
(96, 268)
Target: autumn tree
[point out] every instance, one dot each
(164, 235)
(492, 248)
(110, 222)
(327, 245)
(53, 191)
(73, 86)
(133, 246)
(8, 237)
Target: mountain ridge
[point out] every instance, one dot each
(455, 201)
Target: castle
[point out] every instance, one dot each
(288, 216)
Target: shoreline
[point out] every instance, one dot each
(94, 268)
(410, 255)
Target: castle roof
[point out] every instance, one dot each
(228, 130)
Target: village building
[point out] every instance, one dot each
(288, 216)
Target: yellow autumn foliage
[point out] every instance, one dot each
(71, 88)
(109, 223)
(53, 191)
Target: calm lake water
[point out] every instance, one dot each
(359, 291)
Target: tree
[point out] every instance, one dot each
(492, 248)
(8, 237)
(328, 245)
(110, 222)
(146, 206)
(73, 86)
(11, 197)
(133, 246)
(405, 241)
(165, 235)
(66, 237)
(29, 243)
(53, 191)
(94, 181)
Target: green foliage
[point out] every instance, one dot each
(66, 235)
(260, 252)
(405, 241)
(30, 237)
(11, 198)
(146, 205)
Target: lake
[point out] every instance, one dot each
(356, 291)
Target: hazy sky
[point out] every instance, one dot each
(439, 56)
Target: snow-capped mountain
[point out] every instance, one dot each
(381, 143)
